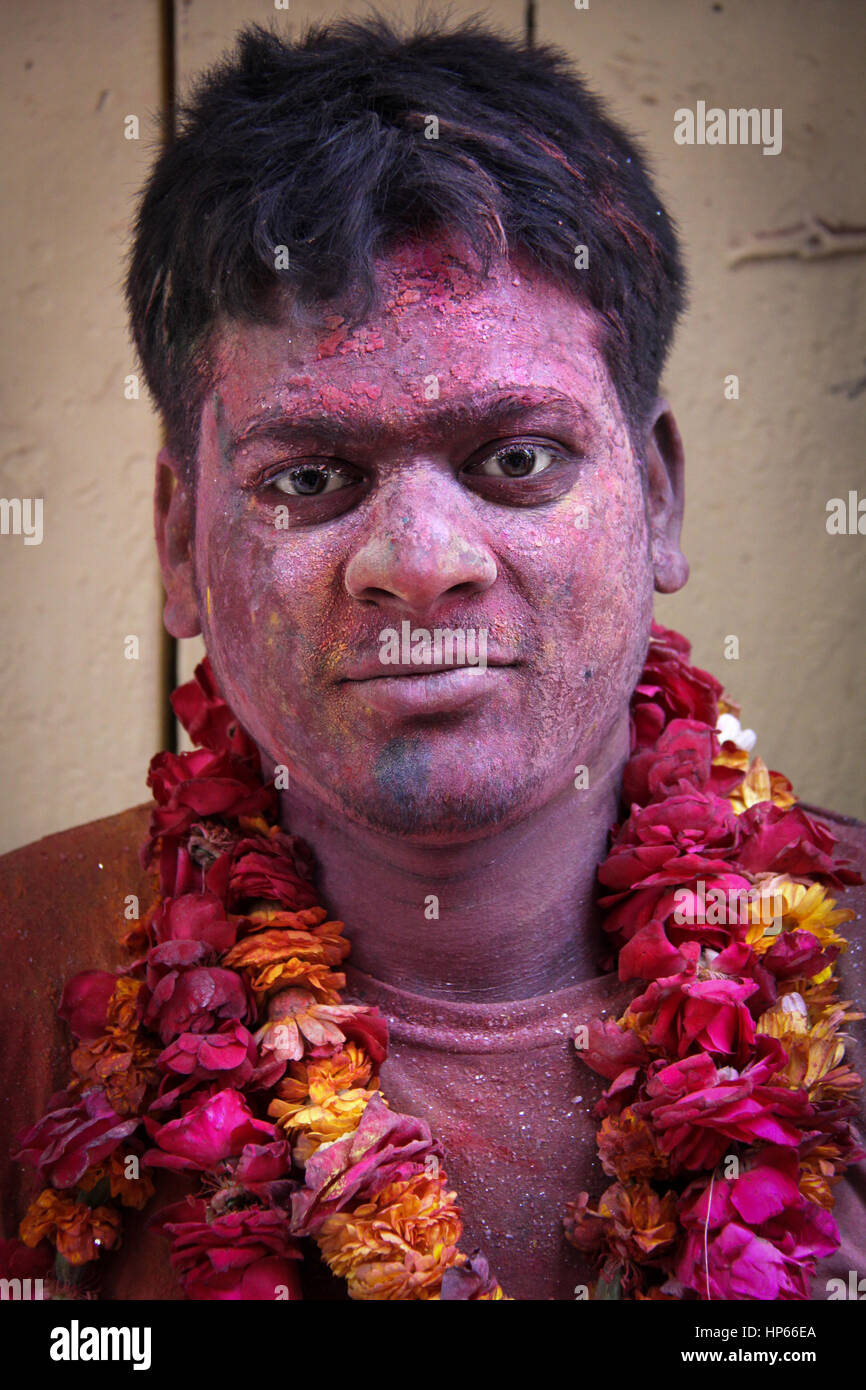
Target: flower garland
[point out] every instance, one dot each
(223, 1049)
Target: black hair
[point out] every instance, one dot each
(321, 146)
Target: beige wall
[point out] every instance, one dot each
(79, 721)
(761, 468)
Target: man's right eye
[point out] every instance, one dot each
(312, 480)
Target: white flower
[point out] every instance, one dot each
(730, 731)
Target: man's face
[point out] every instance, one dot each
(461, 462)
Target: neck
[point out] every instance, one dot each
(507, 916)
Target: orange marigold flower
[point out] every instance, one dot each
(119, 1170)
(276, 958)
(730, 755)
(255, 824)
(320, 1122)
(728, 705)
(627, 1147)
(79, 1232)
(307, 919)
(278, 943)
(350, 1067)
(133, 1191)
(633, 1222)
(123, 1066)
(399, 1244)
(124, 1006)
(119, 1061)
(325, 984)
(821, 1168)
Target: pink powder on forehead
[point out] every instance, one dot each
(428, 273)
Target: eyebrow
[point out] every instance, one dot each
(279, 423)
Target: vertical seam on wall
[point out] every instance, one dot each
(168, 94)
(530, 22)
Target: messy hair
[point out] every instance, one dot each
(323, 147)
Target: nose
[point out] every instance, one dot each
(421, 547)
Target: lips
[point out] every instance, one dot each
(371, 668)
(413, 690)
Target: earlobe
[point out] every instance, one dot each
(173, 511)
(665, 465)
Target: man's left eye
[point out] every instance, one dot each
(311, 480)
(516, 461)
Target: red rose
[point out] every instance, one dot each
(231, 1055)
(709, 1014)
(265, 1171)
(755, 1236)
(237, 1255)
(207, 718)
(195, 917)
(790, 842)
(18, 1261)
(649, 955)
(669, 688)
(209, 1132)
(188, 786)
(611, 1050)
(277, 868)
(84, 1004)
(682, 914)
(798, 954)
(675, 841)
(76, 1133)
(196, 1000)
(696, 1108)
(682, 758)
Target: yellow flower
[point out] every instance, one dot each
(351, 1066)
(759, 784)
(815, 1049)
(789, 905)
(399, 1244)
(820, 1170)
(327, 1117)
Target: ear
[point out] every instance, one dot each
(665, 498)
(174, 516)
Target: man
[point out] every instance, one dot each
(404, 305)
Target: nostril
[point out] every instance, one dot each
(466, 589)
(376, 598)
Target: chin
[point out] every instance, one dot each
(409, 800)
